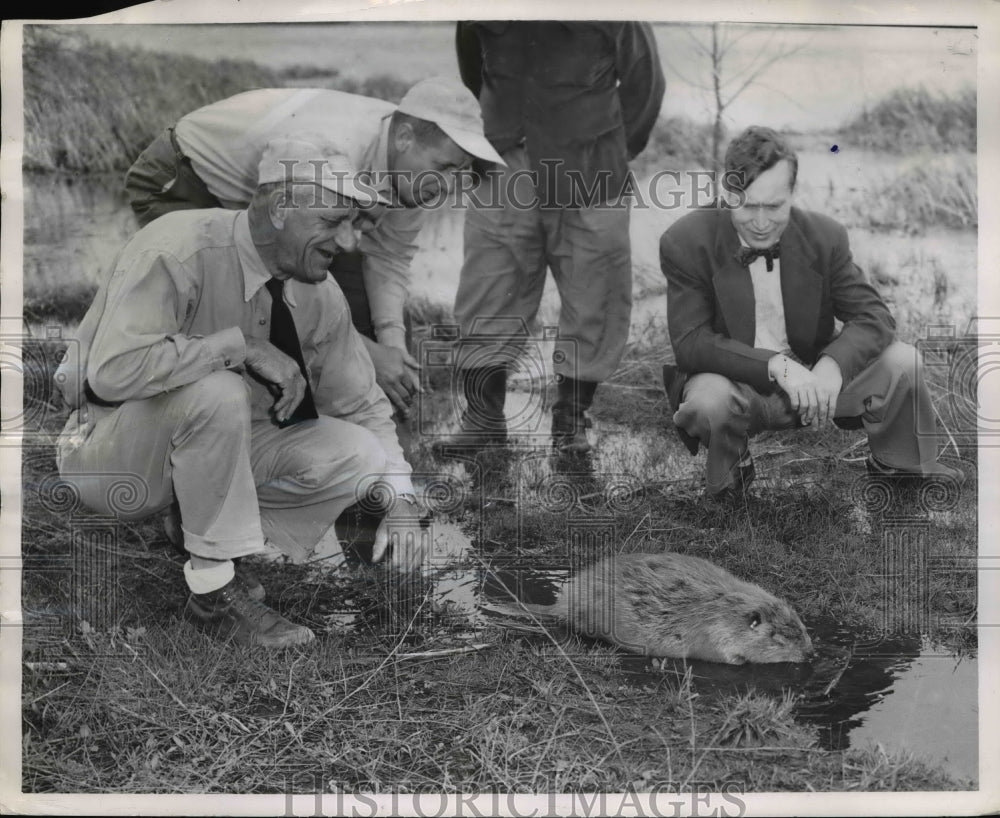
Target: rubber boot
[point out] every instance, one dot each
(483, 424)
(569, 415)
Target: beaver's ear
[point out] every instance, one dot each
(755, 619)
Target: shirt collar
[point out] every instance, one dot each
(255, 273)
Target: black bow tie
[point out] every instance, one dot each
(746, 255)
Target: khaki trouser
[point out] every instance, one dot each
(507, 250)
(236, 481)
(888, 398)
(161, 180)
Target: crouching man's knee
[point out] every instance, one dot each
(217, 405)
(343, 460)
(220, 399)
(710, 401)
(367, 457)
(902, 360)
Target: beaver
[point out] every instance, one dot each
(678, 606)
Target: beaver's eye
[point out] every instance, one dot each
(754, 619)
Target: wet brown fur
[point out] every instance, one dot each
(674, 605)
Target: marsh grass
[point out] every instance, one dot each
(145, 703)
(910, 119)
(934, 191)
(93, 108)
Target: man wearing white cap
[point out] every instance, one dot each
(218, 368)
(209, 159)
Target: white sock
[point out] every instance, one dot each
(206, 580)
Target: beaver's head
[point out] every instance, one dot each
(763, 629)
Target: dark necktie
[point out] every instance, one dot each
(285, 338)
(746, 255)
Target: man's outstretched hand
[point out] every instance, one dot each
(411, 544)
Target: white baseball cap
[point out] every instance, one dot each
(453, 108)
(299, 160)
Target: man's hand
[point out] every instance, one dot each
(812, 393)
(413, 544)
(397, 373)
(796, 381)
(829, 380)
(273, 366)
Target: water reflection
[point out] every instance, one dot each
(73, 227)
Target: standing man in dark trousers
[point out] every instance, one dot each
(567, 105)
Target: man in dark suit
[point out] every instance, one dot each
(752, 326)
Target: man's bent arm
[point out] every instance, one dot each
(868, 325)
(346, 389)
(140, 349)
(470, 57)
(387, 252)
(641, 83)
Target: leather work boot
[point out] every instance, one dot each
(174, 534)
(483, 424)
(569, 415)
(230, 613)
(945, 475)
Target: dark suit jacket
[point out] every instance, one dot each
(583, 93)
(710, 300)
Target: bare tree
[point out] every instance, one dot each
(728, 81)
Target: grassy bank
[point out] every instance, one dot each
(137, 701)
(90, 108)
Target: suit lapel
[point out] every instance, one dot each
(732, 283)
(801, 288)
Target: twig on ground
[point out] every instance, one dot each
(839, 674)
(572, 664)
(947, 431)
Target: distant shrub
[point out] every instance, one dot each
(937, 192)
(676, 140)
(381, 86)
(93, 108)
(910, 119)
(913, 193)
(65, 305)
(304, 71)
